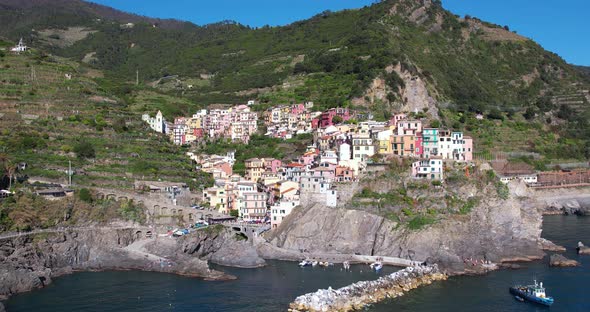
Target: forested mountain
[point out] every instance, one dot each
(409, 55)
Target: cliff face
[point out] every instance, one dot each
(496, 230)
(31, 261)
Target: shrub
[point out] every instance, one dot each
(502, 190)
(131, 212)
(85, 195)
(419, 222)
(234, 213)
(85, 150)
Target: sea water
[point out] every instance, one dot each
(273, 287)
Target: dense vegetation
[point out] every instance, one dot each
(531, 99)
(49, 120)
(331, 58)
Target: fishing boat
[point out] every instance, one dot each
(304, 263)
(534, 293)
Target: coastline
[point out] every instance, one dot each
(102, 249)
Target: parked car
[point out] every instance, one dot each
(180, 232)
(201, 224)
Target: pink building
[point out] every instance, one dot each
(396, 118)
(344, 174)
(308, 158)
(253, 206)
(468, 148)
(327, 174)
(272, 164)
(298, 109)
(326, 118)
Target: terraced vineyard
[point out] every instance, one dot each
(51, 109)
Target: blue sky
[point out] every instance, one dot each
(559, 26)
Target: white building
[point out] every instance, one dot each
(280, 210)
(20, 47)
(362, 147)
(157, 123)
(329, 157)
(344, 152)
(431, 169)
(527, 178)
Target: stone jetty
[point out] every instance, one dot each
(361, 294)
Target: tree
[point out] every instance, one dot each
(120, 125)
(85, 195)
(435, 124)
(529, 113)
(234, 213)
(337, 119)
(84, 150)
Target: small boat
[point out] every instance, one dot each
(376, 266)
(518, 298)
(314, 263)
(304, 263)
(534, 293)
(346, 265)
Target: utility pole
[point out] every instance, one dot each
(137, 77)
(70, 172)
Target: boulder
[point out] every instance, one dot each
(550, 246)
(582, 250)
(561, 261)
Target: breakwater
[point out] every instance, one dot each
(361, 294)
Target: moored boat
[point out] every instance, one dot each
(346, 265)
(304, 263)
(534, 293)
(376, 265)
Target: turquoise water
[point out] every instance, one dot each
(272, 288)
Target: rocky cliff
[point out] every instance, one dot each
(497, 230)
(32, 261)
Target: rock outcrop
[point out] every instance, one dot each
(572, 201)
(582, 250)
(32, 261)
(550, 246)
(497, 230)
(358, 295)
(223, 247)
(561, 261)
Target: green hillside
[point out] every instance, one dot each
(533, 100)
(48, 120)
